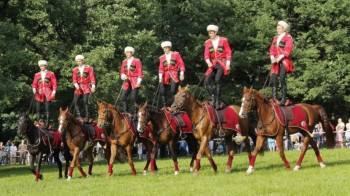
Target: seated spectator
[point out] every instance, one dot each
(13, 153)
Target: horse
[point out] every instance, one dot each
(37, 147)
(121, 136)
(76, 142)
(269, 125)
(204, 130)
(164, 133)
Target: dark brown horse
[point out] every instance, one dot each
(205, 130)
(37, 147)
(76, 142)
(121, 135)
(164, 133)
(270, 126)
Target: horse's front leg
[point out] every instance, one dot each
(279, 140)
(149, 147)
(59, 163)
(91, 160)
(203, 145)
(153, 157)
(210, 158)
(231, 153)
(174, 156)
(192, 144)
(37, 172)
(112, 157)
(75, 153)
(259, 143)
(131, 163)
(31, 162)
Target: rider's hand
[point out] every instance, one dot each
(160, 80)
(182, 77)
(138, 85)
(210, 65)
(228, 67)
(93, 90)
(34, 90)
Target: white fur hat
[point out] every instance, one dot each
(166, 44)
(212, 28)
(79, 57)
(42, 62)
(129, 49)
(283, 24)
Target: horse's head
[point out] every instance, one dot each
(23, 123)
(143, 117)
(63, 119)
(102, 113)
(182, 99)
(248, 102)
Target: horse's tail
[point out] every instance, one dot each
(326, 126)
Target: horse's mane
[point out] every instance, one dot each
(153, 109)
(262, 96)
(194, 98)
(110, 106)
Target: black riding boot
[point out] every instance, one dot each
(164, 101)
(218, 96)
(274, 92)
(284, 95)
(125, 107)
(86, 113)
(47, 120)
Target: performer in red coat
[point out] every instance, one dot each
(131, 73)
(44, 87)
(280, 50)
(170, 64)
(217, 55)
(83, 75)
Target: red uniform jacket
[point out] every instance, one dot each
(84, 79)
(44, 87)
(285, 47)
(220, 55)
(134, 72)
(170, 69)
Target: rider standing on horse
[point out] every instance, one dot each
(44, 88)
(131, 73)
(217, 55)
(280, 50)
(83, 75)
(170, 63)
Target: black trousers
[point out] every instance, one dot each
(164, 88)
(282, 75)
(86, 104)
(47, 110)
(134, 97)
(217, 74)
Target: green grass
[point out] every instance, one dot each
(270, 178)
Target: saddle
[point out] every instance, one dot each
(219, 115)
(89, 128)
(278, 103)
(286, 109)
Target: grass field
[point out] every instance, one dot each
(270, 178)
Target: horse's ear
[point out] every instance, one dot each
(179, 88)
(251, 89)
(66, 109)
(98, 102)
(245, 89)
(186, 88)
(60, 109)
(146, 103)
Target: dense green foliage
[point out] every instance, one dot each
(100, 29)
(270, 178)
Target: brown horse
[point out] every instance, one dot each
(204, 130)
(121, 135)
(164, 133)
(270, 126)
(76, 141)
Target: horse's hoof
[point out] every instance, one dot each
(191, 169)
(322, 165)
(88, 176)
(176, 173)
(41, 177)
(195, 173)
(144, 172)
(249, 171)
(227, 171)
(108, 175)
(296, 168)
(289, 169)
(69, 178)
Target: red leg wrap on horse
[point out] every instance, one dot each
(249, 156)
(212, 163)
(229, 161)
(286, 163)
(110, 166)
(37, 175)
(198, 164)
(133, 170)
(176, 166)
(252, 160)
(82, 172)
(300, 159)
(319, 158)
(153, 164)
(90, 168)
(71, 171)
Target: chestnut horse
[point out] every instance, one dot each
(121, 135)
(37, 147)
(164, 134)
(204, 130)
(270, 126)
(76, 142)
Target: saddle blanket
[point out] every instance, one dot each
(96, 134)
(299, 117)
(147, 134)
(232, 120)
(179, 120)
(54, 136)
